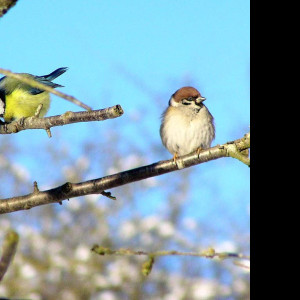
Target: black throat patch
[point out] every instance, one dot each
(2, 102)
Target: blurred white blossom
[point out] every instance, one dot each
(107, 295)
(189, 223)
(150, 222)
(166, 229)
(83, 163)
(128, 230)
(28, 271)
(74, 204)
(205, 289)
(82, 253)
(226, 246)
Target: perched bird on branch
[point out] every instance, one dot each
(20, 100)
(187, 125)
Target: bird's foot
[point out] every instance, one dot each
(178, 161)
(199, 150)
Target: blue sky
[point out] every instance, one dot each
(136, 54)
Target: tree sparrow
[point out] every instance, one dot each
(187, 124)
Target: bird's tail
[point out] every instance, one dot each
(55, 74)
(47, 80)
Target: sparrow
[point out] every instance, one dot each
(19, 100)
(187, 125)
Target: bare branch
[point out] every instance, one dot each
(66, 118)
(97, 186)
(9, 248)
(44, 87)
(5, 5)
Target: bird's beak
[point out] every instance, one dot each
(200, 100)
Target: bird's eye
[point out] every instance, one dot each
(190, 98)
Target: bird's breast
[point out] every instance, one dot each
(20, 104)
(183, 133)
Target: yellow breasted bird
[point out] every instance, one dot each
(18, 99)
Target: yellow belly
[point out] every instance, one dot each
(21, 104)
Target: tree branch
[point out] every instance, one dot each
(66, 118)
(97, 186)
(44, 87)
(9, 248)
(5, 5)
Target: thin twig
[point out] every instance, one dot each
(208, 253)
(148, 264)
(44, 87)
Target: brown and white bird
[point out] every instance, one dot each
(187, 125)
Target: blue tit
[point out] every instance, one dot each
(18, 99)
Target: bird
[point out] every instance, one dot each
(20, 100)
(186, 124)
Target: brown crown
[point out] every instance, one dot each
(185, 92)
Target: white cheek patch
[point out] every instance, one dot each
(2, 107)
(173, 103)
